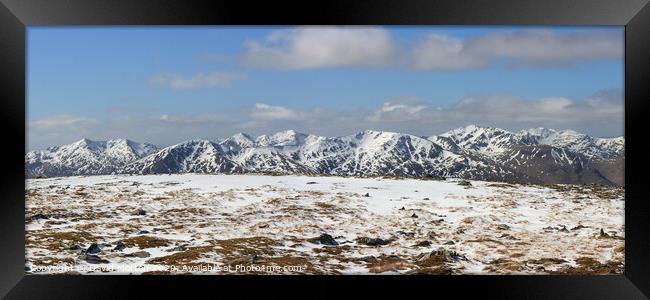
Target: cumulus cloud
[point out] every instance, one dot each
(521, 48)
(265, 112)
(197, 81)
(321, 47)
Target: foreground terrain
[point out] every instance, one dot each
(224, 224)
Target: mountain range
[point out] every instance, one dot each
(536, 155)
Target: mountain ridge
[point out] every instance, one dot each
(536, 155)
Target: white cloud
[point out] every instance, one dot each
(61, 121)
(322, 47)
(197, 81)
(398, 111)
(438, 51)
(522, 48)
(319, 47)
(265, 112)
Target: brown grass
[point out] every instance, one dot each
(145, 241)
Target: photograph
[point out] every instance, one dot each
(325, 150)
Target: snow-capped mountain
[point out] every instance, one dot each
(85, 157)
(535, 155)
(194, 156)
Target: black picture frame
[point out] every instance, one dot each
(16, 15)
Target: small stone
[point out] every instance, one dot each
(402, 208)
(367, 195)
(140, 212)
(503, 227)
(263, 226)
(425, 198)
(578, 227)
(603, 234)
(423, 244)
(450, 242)
(327, 239)
(140, 254)
(119, 247)
(372, 241)
(143, 232)
(37, 217)
(93, 249)
(414, 216)
(312, 182)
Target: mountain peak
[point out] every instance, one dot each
(283, 138)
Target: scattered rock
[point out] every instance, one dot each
(368, 259)
(440, 256)
(423, 244)
(119, 247)
(414, 216)
(403, 208)
(579, 227)
(372, 241)
(563, 229)
(140, 254)
(426, 198)
(503, 227)
(367, 195)
(263, 226)
(603, 234)
(93, 249)
(94, 259)
(143, 232)
(449, 242)
(312, 182)
(140, 212)
(37, 217)
(324, 239)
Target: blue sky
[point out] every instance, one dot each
(168, 84)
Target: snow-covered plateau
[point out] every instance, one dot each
(305, 224)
